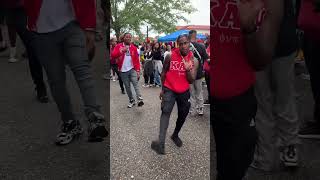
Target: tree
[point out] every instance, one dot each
(161, 15)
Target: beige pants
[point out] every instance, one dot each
(277, 118)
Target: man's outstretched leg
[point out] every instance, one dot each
(167, 105)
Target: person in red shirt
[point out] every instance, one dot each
(129, 65)
(241, 45)
(179, 71)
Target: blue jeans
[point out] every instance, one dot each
(55, 50)
(157, 73)
(128, 78)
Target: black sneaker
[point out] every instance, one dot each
(158, 147)
(123, 92)
(97, 130)
(289, 156)
(131, 103)
(140, 102)
(3, 48)
(177, 141)
(311, 131)
(69, 131)
(206, 103)
(200, 111)
(42, 96)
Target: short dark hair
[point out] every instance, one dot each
(192, 32)
(126, 34)
(181, 36)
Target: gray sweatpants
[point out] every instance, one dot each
(277, 118)
(57, 49)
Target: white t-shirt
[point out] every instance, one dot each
(54, 15)
(127, 63)
(166, 53)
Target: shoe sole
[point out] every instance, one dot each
(75, 137)
(309, 136)
(98, 134)
(130, 106)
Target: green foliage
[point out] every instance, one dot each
(161, 15)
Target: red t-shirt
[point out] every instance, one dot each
(176, 77)
(231, 74)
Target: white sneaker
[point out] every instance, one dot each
(131, 104)
(12, 60)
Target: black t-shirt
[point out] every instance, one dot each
(157, 55)
(204, 56)
(287, 39)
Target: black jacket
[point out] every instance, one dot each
(287, 38)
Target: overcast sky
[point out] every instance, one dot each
(201, 16)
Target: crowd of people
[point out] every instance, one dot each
(151, 56)
(175, 67)
(56, 34)
(254, 113)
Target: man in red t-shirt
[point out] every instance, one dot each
(242, 45)
(179, 71)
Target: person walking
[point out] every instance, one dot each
(63, 34)
(277, 120)
(17, 19)
(129, 65)
(199, 51)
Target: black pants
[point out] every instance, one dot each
(148, 79)
(167, 104)
(235, 135)
(116, 70)
(311, 50)
(20, 21)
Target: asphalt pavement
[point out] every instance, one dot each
(132, 131)
(28, 128)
